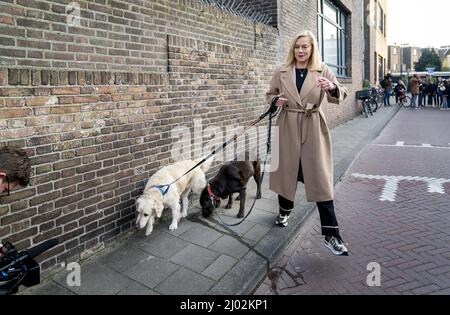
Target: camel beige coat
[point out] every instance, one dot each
(304, 134)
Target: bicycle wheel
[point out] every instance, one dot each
(380, 99)
(366, 108)
(373, 105)
(406, 101)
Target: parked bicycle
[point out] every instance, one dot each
(369, 103)
(378, 95)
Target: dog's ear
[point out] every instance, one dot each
(159, 210)
(159, 207)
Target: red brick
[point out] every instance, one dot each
(15, 113)
(15, 91)
(85, 99)
(66, 91)
(41, 100)
(6, 20)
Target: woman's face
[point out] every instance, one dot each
(302, 50)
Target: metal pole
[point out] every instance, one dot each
(401, 62)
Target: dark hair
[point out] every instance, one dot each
(16, 164)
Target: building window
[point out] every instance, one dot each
(414, 52)
(380, 18)
(332, 36)
(380, 67)
(395, 51)
(375, 64)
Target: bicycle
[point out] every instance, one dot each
(367, 102)
(379, 97)
(404, 100)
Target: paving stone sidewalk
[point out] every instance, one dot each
(203, 257)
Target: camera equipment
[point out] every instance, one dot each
(20, 268)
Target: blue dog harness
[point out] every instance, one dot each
(163, 189)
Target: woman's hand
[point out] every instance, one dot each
(326, 84)
(278, 102)
(281, 101)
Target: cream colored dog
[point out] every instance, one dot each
(152, 202)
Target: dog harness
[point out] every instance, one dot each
(214, 199)
(162, 189)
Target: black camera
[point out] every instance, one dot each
(20, 268)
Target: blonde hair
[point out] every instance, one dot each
(315, 62)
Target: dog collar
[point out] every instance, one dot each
(214, 199)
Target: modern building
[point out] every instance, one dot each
(444, 53)
(411, 56)
(394, 58)
(375, 33)
(402, 58)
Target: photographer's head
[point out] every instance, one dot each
(15, 168)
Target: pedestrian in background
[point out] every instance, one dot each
(432, 91)
(399, 91)
(447, 92)
(386, 84)
(423, 87)
(440, 93)
(414, 84)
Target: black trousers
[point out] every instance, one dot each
(328, 220)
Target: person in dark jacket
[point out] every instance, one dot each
(432, 91)
(399, 90)
(447, 92)
(441, 88)
(386, 84)
(423, 89)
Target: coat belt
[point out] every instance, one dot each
(305, 120)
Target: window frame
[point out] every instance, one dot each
(340, 23)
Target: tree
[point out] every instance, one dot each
(429, 59)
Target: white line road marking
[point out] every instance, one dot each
(402, 145)
(435, 185)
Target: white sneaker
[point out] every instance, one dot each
(282, 220)
(336, 245)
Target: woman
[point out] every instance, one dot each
(298, 87)
(399, 91)
(441, 87)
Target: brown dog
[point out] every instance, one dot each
(231, 178)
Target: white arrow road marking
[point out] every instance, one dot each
(435, 185)
(402, 144)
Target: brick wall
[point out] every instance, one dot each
(110, 35)
(267, 7)
(295, 16)
(94, 104)
(96, 130)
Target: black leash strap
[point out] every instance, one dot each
(165, 188)
(269, 149)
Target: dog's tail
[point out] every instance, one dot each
(206, 165)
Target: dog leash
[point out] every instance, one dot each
(164, 189)
(258, 192)
(269, 148)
